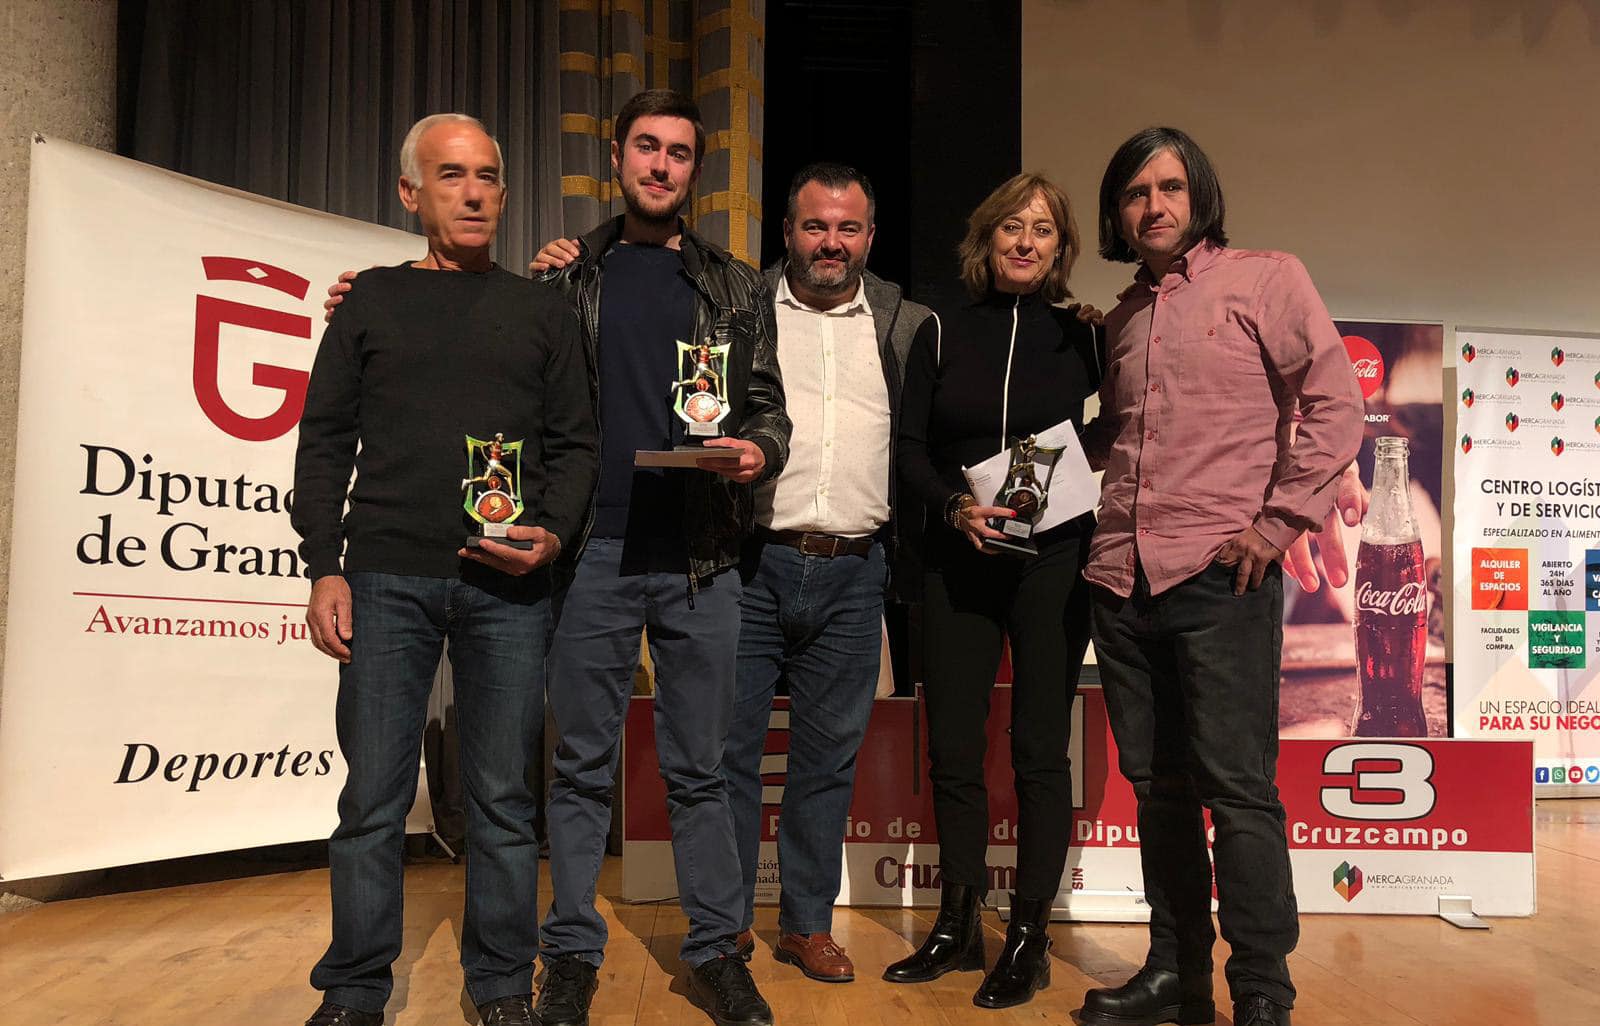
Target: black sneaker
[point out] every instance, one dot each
(569, 986)
(330, 1014)
(512, 1010)
(725, 988)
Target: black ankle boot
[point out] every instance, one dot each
(954, 943)
(1023, 967)
(1151, 997)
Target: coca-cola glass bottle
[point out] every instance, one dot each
(1391, 605)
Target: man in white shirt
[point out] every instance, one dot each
(816, 569)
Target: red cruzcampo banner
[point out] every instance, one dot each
(1373, 825)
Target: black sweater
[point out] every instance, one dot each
(956, 383)
(413, 362)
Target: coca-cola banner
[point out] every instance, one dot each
(160, 696)
(1363, 644)
(1527, 545)
(1373, 825)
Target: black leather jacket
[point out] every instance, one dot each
(734, 307)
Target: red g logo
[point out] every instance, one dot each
(211, 313)
(1367, 363)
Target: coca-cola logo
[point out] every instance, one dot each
(1467, 397)
(1406, 600)
(1557, 400)
(1512, 376)
(1468, 353)
(1367, 362)
(1512, 421)
(1557, 357)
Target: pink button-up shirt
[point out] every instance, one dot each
(1205, 372)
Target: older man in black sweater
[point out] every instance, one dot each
(423, 359)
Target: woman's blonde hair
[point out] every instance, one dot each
(1000, 204)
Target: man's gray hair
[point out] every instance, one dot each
(408, 149)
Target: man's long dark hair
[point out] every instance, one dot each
(1205, 192)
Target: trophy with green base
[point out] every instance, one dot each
(701, 391)
(492, 489)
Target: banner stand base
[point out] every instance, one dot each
(1456, 909)
(1096, 907)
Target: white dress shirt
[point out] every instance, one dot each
(837, 477)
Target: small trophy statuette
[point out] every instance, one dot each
(1025, 495)
(492, 489)
(701, 391)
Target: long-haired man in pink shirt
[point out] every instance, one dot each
(1229, 411)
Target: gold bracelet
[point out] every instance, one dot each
(957, 505)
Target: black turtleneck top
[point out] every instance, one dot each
(956, 389)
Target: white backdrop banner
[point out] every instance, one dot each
(161, 698)
(1527, 542)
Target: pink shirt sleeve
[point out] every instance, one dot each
(1304, 348)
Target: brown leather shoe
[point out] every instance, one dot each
(817, 956)
(744, 945)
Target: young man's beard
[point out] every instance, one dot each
(633, 197)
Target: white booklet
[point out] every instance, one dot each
(1069, 483)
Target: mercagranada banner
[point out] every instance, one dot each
(160, 697)
(1527, 546)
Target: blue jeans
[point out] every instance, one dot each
(818, 622)
(498, 628)
(592, 659)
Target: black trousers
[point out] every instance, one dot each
(972, 602)
(1191, 688)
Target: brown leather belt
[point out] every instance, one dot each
(826, 545)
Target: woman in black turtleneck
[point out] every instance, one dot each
(1002, 367)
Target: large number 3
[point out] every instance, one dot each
(1392, 781)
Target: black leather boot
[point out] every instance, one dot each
(1023, 967)
(1151, 997)
(954, 944)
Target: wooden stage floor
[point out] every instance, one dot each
(237, 951)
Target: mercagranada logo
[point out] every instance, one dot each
(1347, 881)
(1558, 357)
(1557, 400)
(1467, 396)
(1512, 421)
(1466, 444)
(1557, 446)
(1468, 353)
(1512, 377)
